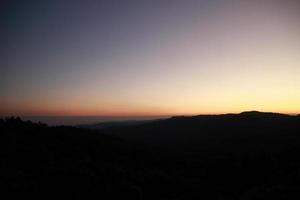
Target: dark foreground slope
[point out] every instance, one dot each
(44, 162)
(247, 156)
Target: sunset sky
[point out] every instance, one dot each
(149, 58)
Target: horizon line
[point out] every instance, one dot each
(141, 116)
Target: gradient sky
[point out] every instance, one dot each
(139, 58)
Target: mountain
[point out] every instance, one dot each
(189, 131)
(251, 155)
(231, 152)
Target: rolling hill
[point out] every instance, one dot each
(251, 155)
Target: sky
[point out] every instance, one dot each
(148, 58)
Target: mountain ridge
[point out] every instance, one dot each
(190, 129)
(110, 124)
(209, 157)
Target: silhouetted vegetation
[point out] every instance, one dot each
(251, 155)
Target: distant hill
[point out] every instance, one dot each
(197, 129)
(110, 124)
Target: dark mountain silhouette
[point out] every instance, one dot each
(251, 155)
(198, 129)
